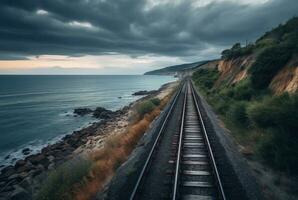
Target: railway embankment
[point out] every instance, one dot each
(237, 179)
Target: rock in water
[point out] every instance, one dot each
(82, 111)
(26, 151)
(143, 92)
(102, 113)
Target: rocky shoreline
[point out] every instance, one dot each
(14, 180)
(23, 179)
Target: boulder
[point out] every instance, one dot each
(51, 158)
(19, 163)
(26, 151)
(26, 183)
(20, 194)
(82, 111)
(7, 171)
(103, 113)
(7, 188)
(51, 166)
(24, 168)
(36, 159)
(16, 177)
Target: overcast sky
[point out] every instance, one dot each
(127, 36)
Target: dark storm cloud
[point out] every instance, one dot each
(80, 27)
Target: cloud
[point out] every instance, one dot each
(186, 29)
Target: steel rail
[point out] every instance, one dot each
(177, 169)
(141, 175)
(214, 167)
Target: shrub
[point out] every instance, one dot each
(243, 90)
(237, 51)
(145, 107)
(206, 78)
(155, 101)
(276, 112)
(59, 182)
(278, 117)
(237, 114)
(279, 152)
(221, 104)
(266, 42)
(267, 64)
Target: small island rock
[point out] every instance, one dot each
(144, 92)
(82, 111)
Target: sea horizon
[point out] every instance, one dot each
(37, 110)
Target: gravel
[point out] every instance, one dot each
(237, 177)
(123, 182)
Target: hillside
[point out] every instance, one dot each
(254, 89)
(172, 70)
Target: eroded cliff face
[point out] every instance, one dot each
(235, 70)
(287, 79)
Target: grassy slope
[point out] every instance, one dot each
(265, 123)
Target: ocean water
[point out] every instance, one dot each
(38, 110)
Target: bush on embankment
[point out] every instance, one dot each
(277, 116)
(147, 106)
(59, 182)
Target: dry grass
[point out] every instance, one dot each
(116, 150)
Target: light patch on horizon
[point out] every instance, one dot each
(102, 64)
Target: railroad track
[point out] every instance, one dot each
(192, 173)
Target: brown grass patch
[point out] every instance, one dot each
(116, 150)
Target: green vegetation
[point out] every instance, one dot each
(147, 106)
(268, 63)
(155, 101)
(277, 116)
(256, 118)
(59, 182)
(251, 112)
(237, 114)
(237, 51)
(207, 78)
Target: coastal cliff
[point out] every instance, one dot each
(233, 71)
(254, 90)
